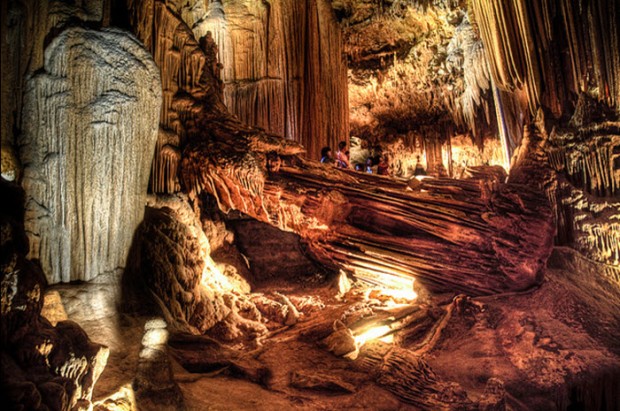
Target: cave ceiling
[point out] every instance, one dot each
(413, 65)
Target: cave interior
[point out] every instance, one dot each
(310, 204)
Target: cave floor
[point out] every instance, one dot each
(552, 347)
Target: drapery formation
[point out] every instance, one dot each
(281, 68)
(88, 136)
(524, 41)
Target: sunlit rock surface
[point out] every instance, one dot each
(90, 126)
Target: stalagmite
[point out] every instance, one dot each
(90, 126)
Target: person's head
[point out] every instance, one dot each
(369, 162)
(326, 152)
(342, 145)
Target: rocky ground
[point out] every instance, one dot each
(552, 347)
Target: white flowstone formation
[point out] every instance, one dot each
(89, 130)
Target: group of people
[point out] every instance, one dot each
(373, 165)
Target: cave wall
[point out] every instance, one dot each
(563, 57)
(586, 158)
(26, 27)
(419, 69)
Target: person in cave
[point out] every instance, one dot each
(377, 153)
(274, 162)
(419, 169)
(326, 155)
(342, 159)
(369, 165)
(383, 166)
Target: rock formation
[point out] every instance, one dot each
(170, 258)
(585, 155)
(281, 64)
(345, 223)
(387, 230)
(524, 43)
(43, 366)
(410, 68)
(90, 126)
(26, 26)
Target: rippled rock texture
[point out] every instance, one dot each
(90, 126)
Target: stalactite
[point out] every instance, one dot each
(472, 106)
(524, 40)
(589, 164)
(164, 170)
(586, 156)
(411, 69)
(588, 224)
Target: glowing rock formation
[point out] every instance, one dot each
(451, 235)
(90, 126)
(169, 257)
